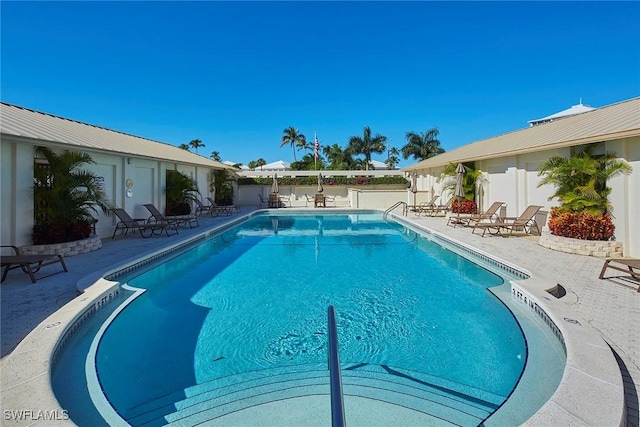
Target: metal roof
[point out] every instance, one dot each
(37, 126)
(615, 121)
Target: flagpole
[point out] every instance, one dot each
(316, 147)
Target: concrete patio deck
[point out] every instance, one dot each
(611, 306)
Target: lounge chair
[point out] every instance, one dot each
(263, 202)
(233, 207)
(201, 208)
(525, 222)
(172, 221)
(436, 209)
(127, 223)
(417, 209)
(216, 210)
(30, 264)
(490, 214)
(627, 265)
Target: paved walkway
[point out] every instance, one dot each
(611, 306)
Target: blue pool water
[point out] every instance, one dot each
(255, 297)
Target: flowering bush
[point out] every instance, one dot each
(581, 225)
(464, 206)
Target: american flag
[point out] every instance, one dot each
(317, 146)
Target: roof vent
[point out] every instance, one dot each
(575, 109)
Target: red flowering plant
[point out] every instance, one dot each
(581, 225)
(464, 206)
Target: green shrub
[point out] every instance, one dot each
(336, 180)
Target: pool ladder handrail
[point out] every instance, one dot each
(405, 209)
(335, 377)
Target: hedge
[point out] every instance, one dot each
(328, 181)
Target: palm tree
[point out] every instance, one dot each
(181, 190)
(294, 139)
(393, 159)
(581, 180)
(423, 145)
(65, 197)
(366, 144)
(215, 155)
(196, 143)
(260, 163)
(184, 147)
(471, 179)
(338, 158)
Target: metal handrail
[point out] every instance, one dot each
(335, 377)
(404, 209)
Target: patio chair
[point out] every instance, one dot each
(627, 265)
(263, 201)
(466, 219)
(216, 210)
(283, 200)
(436, 209)
(127, 223)
(309, 199)
(525, 222)
(30, 264)
(172, 221)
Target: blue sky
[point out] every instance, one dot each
(235, 74)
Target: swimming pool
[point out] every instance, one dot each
(417, 325)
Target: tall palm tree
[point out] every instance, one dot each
(337, 157)
(184, 147)
(581, 180)
(366, 144)
(423, 145)
(294, 139)
(215, 155)
(260, 163)
(196, 143)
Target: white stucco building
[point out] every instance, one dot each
(510, 163)
(133, 168)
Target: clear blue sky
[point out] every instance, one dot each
(235, 74)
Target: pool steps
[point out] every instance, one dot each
(217, 398)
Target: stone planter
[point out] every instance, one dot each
(597, 248)
(66, 249)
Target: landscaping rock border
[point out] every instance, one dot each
(596, 248)
(83, 246)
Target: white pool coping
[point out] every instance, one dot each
(590, 393)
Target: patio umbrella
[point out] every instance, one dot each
(320, 188)
(274, 184)
(414, 185)
(458, 191)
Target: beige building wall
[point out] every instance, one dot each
(128, 182)
(514, 180)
